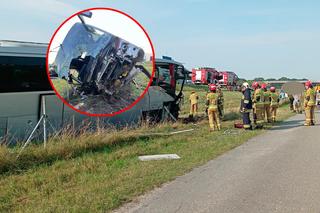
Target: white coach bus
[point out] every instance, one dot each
(23, 83)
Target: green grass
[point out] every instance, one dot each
(231, 103)
(99, 172)
(62, 87)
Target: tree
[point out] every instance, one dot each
(284, 79)
(241, 81)
(258, 79)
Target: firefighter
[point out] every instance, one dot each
(220, 102)
(258, 105)
(309, 103)
(193, 104)
(212, 104)
(266, 110)
(274, 103)
(246, 106)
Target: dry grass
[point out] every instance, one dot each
(98, 172)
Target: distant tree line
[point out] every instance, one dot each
(261, 79)
(280, 79)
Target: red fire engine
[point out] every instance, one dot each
(229, 79)
(204, 75)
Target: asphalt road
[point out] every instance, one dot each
(278, 171)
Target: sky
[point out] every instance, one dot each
(270, 38)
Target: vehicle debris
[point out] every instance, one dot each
(159, 157)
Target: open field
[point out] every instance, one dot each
(99, 172)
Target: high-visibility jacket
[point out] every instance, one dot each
(274, 99)
(267, 97)
(193, 98)
(212, 99)
(310, 97)
(258, 97)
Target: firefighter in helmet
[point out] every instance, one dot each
(266, 110)
(258, 105)
(212, 104)
(193, 104)
(246, 106)
(309, 103)
(220, 102)
(274, 103)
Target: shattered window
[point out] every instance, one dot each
(164, 75)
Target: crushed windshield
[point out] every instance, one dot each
(79, 40)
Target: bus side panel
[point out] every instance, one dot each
(18, 113)
(53, 107)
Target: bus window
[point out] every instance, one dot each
(165, 78)
(23, 74)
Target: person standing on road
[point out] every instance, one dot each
(258, 105)
(193, 104)
(309, 103)
(212, 104)
(246, 106)
(266, 110)
(274, 103)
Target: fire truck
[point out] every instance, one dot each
(228, 79)
(204, 75)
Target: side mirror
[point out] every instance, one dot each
(87, 14)
(180, 73)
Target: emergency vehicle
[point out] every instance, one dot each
(228, 79)
(204, 75)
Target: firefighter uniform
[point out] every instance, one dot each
(258, 107)
(213, 114)
(220, 103)
(246, 108)
(309, 106)
(274, 104)
(267, 100)
(193, 103)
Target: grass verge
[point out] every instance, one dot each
(99, 172)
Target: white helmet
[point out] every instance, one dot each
(245, 85)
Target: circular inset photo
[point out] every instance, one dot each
(100, 62)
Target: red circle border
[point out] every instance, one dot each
(133, 103)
